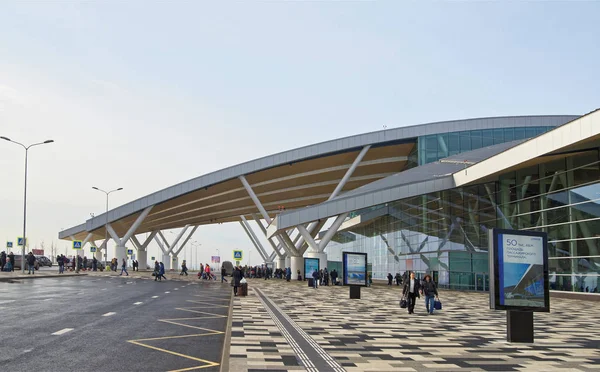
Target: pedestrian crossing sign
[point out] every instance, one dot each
(129, 252)
(77, 244)
(20, 241)
(93, 249)
(237, 255)
(9, 244)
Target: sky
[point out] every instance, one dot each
(145, 94)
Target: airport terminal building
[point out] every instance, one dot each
(417, 198)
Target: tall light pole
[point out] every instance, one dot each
(25, 196)
(106, 224)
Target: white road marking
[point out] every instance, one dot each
(6, 301)
(176, 289)
(62, 331)
(167, 292)
(47, 299)
(109, 314)
(120, 286)
(138, 303)
(154, 296)
(104, 289)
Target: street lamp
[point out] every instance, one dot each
(25, 195)
(106, 225)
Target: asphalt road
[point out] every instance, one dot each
(112, 323)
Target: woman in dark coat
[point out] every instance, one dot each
(236, 277)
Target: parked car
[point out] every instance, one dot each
(18, 263)
(100, 265)
(43, 260)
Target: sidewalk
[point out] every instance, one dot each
(374, 334)
(18, 275)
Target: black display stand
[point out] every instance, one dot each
(310, 282)
(519, 326)
(355, 292)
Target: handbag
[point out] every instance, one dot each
(403, 303)
(437, 304)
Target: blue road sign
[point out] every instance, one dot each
(237, 255)
(9, 244)
(76, 244)
(130, 252)
(20, 241)
(93, 249)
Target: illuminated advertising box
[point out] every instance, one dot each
(310, 265)
(355, 268)
(519, 270)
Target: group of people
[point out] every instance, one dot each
(399, 278)
(7, 261)
(206, 273)
(159, 271)
(413, 288)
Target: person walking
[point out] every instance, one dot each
(315, 276)
(2, 260)
(390, 278)
(85, 261)
(156, 271)
(184, 269)
(235, 279)
(161, 272)
(411, 292)
(31, 263)
(430, 292)
(94, 264)
(398, 278)
(223, 274)
(124, 268)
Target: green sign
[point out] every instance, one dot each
(237, 263)
(152, 258)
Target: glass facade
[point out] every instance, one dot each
(438, 146)
(445, 233)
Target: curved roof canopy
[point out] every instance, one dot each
(293, 179)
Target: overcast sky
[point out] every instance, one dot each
(144, 95)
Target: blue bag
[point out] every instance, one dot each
(437, 304)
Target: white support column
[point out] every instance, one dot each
(186, 240)
(254, 198)
(166, 258)
(309, 239)
(297, 263)
(283, 238)
(254, 238)
(136, 224)
(99, 256)
(349, 172)
(332, 231)
(264, 230)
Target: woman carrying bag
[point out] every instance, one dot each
(430, 292)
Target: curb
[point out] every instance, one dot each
(10, 279)
(227, 338)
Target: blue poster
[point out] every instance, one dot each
(521, 270)
(310, 265)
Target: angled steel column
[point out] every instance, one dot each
(309, 239)
(332, 231)
(259, 246)
(283, 238)
(186, 240)
(264, 230)
(254, 241)
(311, 228)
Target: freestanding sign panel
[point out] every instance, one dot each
(355, 269)
(519, 270)
(519, 279)
(310, 265)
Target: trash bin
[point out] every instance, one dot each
(311, 282)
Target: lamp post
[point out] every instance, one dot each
(25, 196)
(106, 224)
